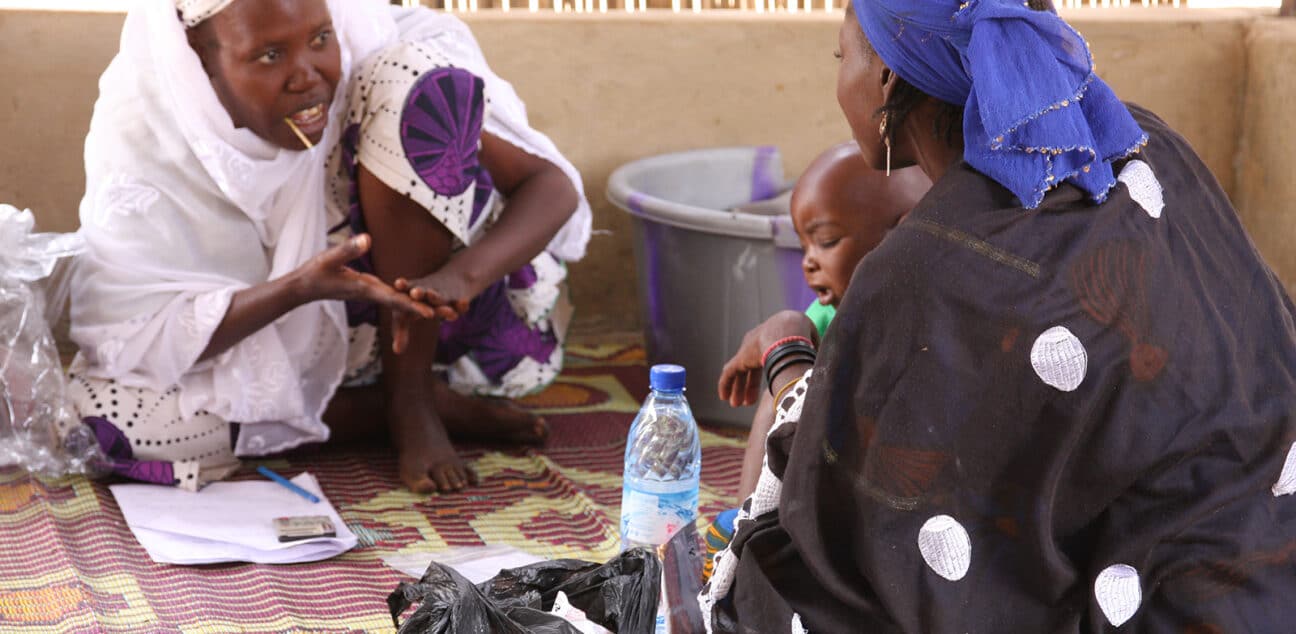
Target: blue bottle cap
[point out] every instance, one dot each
(666, 377)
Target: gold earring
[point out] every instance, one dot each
(886, 140)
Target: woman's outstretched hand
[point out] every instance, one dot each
(327, 276)
(742, 376)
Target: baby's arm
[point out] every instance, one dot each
(741, 384)
(540, 198)
(754, 455)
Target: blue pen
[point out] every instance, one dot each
(288, 484)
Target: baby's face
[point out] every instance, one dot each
(834, 241)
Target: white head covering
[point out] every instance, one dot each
(182, 209)
(193, 12)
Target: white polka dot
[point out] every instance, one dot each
(1286, 484)
(797, 627)
(945, 547)
(1118, 593)
(1143, 187)
(1060, 359)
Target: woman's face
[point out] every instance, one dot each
(273, 60)
(859, 89)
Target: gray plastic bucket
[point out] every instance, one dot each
(707, 275)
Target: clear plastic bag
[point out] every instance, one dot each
(33, 395)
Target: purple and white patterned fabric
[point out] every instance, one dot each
(418, 128)
(116, 446)
(441, 129)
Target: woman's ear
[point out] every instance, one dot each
(888, 79)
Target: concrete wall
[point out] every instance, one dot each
(613, 88)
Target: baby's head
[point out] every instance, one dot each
(842, 208)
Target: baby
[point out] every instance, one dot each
(841, 210)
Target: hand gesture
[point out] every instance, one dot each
(446, 292)
(327, 276)
(741, 378)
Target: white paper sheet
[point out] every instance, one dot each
(227, 521)
(475, 563)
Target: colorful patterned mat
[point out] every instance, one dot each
(70, 564)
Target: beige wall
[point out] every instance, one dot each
(613, 88)
(1267, 157)
(48, 83)
(1191, 72)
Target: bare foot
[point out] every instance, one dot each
(487, 419)
(427, 461)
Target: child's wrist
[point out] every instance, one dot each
(472, 282)
(468, 279)
(765, 358)
(788, 375)
(786, 354)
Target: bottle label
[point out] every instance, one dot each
(654, 516)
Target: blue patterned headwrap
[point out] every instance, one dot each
(1035, 114)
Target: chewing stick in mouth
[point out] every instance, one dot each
(305, 141)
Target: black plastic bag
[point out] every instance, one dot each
(620, 595)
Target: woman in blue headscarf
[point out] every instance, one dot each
(1059, 397)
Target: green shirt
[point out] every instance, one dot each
(821, 315)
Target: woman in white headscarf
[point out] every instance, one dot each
(230, 145)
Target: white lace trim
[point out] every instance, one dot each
(764, 500)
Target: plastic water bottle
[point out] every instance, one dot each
(663, 463)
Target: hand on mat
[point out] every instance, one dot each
(327, 276)
(742, 376)
(445, 291)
